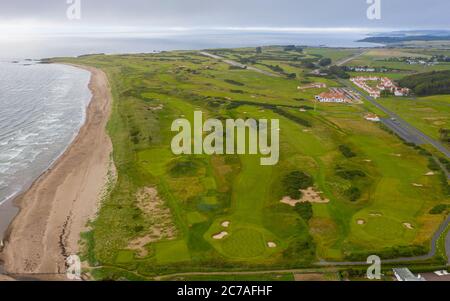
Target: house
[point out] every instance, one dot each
(384, 84)
(401, 92)
(372, 117)
(404, 274)
(331, 96)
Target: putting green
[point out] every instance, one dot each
(244, 243)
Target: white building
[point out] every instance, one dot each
(331, 97)
(372, 117)
(404, 274)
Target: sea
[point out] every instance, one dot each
(42, 106)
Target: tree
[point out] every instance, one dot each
(445, 135)
(304, 210)
(325, 62)
(385, 93)
(309, 65)
(339, 72)
(292, 75)
(295, 181)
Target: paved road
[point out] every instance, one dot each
(411, 134)
(401, 131)
(349, 59)
(401, 123)
(236, 64)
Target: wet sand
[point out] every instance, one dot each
(57, 207)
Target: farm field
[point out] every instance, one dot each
(429, 114)
(168, 214)
(382, 58)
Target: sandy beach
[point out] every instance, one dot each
(57, 207)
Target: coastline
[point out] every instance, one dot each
(56, 208)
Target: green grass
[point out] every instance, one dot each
(334, 54)
(171, 251)
(236, 277)
(441, 251)
(429, 114)
(203, 191)
(379, 58)
(125, 256)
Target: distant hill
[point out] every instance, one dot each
(409, 33)
(400, 39)
(431, 83)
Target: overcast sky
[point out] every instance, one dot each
(33, 15)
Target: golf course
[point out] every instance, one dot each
(344, 187)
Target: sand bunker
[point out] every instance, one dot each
(376, 214)
(408, 226)
(225, 224)
(360, 222)
(308, 195)
(367, 160)
(271, 244)
(396, 155)
(417, 185)
(430, 173)
(159, 217)
(157, 108)
(221, 235)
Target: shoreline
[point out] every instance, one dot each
(8, 207)
(54, 210)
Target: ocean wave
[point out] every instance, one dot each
(40, 116)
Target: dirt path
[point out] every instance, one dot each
(55, 210)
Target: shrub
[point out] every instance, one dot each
(292, 75)
(351, 174)
(325, 62)
(308, 65)
(387, 253)
(339, 72)
(233, 82)
(185, 168)
(292, 117)
(346, 151)
(353, 193)
(302, 249)
(445, 162)
(439, 209)
(304, 210)
(433, 165)
(295, 181)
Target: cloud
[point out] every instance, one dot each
(287, 14)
